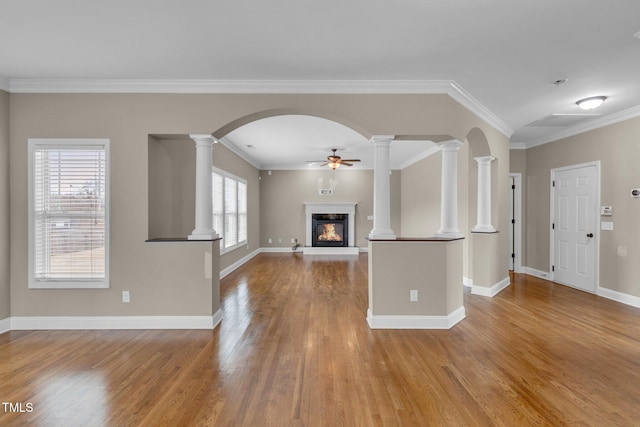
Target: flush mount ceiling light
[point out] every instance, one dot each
(591, 103)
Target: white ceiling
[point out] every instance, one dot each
(505, 54)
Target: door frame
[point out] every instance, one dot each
(596, 215)
(517, 215)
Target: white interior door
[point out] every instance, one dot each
(574, 226)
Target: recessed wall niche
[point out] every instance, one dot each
(171, 190)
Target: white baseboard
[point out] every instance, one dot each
(114, 322)
(280, 250)
(230, 269)
(5, 325)
(467, 282)
(330, 251)
(536, 273)
(492, 291)
(619, 297)
(415, 322)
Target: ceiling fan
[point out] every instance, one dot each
(334, 161)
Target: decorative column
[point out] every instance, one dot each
(204, 183)
(449, 190)
(484, 195)
(381, 189)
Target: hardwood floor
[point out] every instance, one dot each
(294, 349)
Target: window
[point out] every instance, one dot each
(68, 213)
(229, 209)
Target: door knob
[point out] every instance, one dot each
(590, 235)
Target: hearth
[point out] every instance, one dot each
(330, 230)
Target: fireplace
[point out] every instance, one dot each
(341, 222)
(330, 230)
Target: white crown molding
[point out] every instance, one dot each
(577, 129)
(517, 145)
(230, 86)
(463, 97)
(239, 153)
(448, 87)
(4, 84)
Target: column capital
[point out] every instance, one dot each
(382, 139)
(452, 145)
(203, 138)
(485, 160)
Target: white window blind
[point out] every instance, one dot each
(68, 214)
(229, 209)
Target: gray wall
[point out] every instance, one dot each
(172, 183)
(617, 148)
(5, 301)
(283, 193)
(169, 279)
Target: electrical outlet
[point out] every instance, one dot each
(126, 296)
(413, 295)
(270, 240)
(279, 240)
(293, 240)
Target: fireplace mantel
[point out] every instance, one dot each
(331, 208)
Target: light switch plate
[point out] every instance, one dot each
(606, 225)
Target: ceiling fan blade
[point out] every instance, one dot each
(350, 160)
(316, 161)
(346, 163)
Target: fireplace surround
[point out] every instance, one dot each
(339, 214)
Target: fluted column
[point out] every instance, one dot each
(204, 205)
(483, 224)
(449, 190)
(381, 188)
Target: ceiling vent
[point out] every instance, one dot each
(562, 119)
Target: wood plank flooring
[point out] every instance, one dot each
(294, 349)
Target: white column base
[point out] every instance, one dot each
(449, 234)
(382, 235)
(484, 229)
(203, 236)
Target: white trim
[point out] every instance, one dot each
(421, 156)
(467, 282)
(67, 143)
(518, 146)
(621, 297)
(596, 216)
(239, 263)
(463, 97)
(517, 236)
(5, 86)
(5, 325)
(536, 273)
(448, 87)
(114, 322)
(415, 322)
(590, 125)
(491, 291)
(280, 250)
(225, 142)
(348, 208)
(352, 250)
(230, 86)
(216, 318)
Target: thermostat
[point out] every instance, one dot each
(606, 210)
(635, 192)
